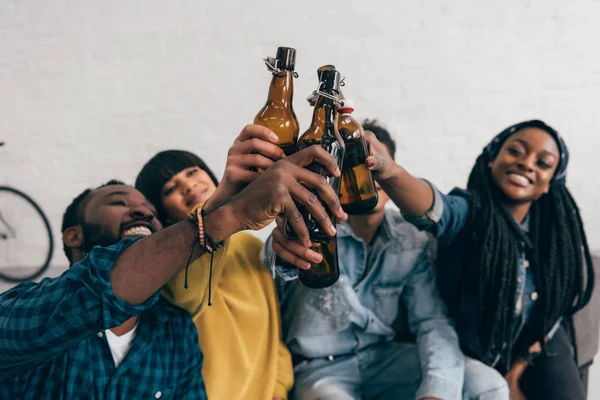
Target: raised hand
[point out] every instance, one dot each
(273, 193)
(255, 147)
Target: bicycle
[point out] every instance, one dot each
(26, 242)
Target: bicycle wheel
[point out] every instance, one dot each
(26, 242)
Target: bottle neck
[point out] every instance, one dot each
(324, 112)
(281, 90)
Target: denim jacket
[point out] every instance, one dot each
(446, 221)
(365, 305)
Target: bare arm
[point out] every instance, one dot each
(144, 267)
(147, 265)
(412, 195)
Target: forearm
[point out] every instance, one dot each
(412, 195)
(148, 264)
(518, 367)
(270, 260)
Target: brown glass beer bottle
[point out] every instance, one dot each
(358, 194)
(325, 273)
(278, 113)
(322, 132)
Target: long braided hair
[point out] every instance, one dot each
(556, 248)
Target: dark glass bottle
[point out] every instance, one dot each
(322, 132)
(278, 113)
(312, 98)
(358, 194)
(325, 273)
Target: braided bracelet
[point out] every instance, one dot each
(196, 218)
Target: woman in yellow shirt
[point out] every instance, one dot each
(240, 334)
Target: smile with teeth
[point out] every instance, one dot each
(519, 179)
(137, 231)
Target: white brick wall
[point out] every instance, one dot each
(90, 90)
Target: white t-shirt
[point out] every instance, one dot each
(120, 345)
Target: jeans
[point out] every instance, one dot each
(384, 371)
(483, 382)
(388, 371)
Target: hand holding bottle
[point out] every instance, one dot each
(287, 182)
(291, 251)
(255, 147)
(278, 112)
(379, 161)
(323, 133)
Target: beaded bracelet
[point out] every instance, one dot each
(196, 218)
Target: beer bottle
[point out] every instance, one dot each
(325, 273)
(358, 194)
(312, 98)
(278, 114)
(323, 132)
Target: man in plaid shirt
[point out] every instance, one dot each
(62, 338)
(151, 349)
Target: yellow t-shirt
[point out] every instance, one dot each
(240, 334)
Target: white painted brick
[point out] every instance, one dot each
(90, 90)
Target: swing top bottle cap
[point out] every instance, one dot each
(330, 79)
(287, 58)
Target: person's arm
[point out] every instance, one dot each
(194, 299)
(424, 206)
(254, 148)
(273, 263)
(421, 203)
(412, 195)
(514, 374)
(151, 262)
(442, 362)
(111, 284)
(190, 385)
(40, 320)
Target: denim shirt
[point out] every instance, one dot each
(385, 288)
(446, 221)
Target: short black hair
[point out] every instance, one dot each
(73, 215)
(381, 134)
(160, 169)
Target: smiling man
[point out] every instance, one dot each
(154, 353)
(100, 330)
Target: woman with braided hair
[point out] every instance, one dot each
(513, 259)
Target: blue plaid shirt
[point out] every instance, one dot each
(52, 343)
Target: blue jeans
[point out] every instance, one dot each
(385, 371)
(483, 382)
